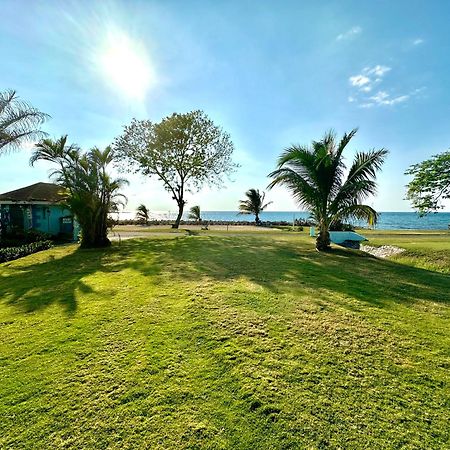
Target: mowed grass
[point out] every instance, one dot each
(426, 249)
(224, 342)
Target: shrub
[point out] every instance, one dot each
(18, 237)
(340, 226)
(11, 253)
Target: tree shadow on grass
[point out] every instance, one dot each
(281, 266)
(277, 265)
(32, 286)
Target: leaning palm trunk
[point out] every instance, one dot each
(315, 176)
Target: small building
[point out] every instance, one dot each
(38, 207)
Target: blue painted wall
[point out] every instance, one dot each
(47, 218)
(51, 219)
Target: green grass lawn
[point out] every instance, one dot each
(218, 341)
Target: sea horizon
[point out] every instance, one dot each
(388, 220)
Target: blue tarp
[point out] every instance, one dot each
(338, 237)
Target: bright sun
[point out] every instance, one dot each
(125, 65)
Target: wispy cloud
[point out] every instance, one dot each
(377, 70)
(418, 41)
(367, 81)
(349, 34)
(369, 77)
(359, 80)
(383, 98)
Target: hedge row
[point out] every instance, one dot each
(10, 253)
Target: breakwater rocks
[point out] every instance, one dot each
(385, 251)
(297, 223)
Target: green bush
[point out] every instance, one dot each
(18, 237)
(10, 253)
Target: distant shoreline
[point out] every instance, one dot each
(251, 225)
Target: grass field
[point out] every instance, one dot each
(227, 341)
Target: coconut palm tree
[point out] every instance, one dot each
(195, 214)
(253, 204)
(318, 180)
(142, 214)
(90, 192)
(19, 122)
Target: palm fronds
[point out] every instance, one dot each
(142, 213)
(253, 204)
(315, 176)
(19, 122)
(91, 193)
(195, 214)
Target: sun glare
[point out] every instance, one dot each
(125, 65)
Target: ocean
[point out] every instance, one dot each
(387, 220)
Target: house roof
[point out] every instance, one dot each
(38, 192)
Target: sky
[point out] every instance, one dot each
(269, 73)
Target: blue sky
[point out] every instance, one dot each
(270, 73)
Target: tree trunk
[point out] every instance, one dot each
(257, 220)
(180, 214)
(94, 233)
(323, 240)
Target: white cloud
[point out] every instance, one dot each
(380, 96)
(418, 41)
(359, 80)
(364, 81)
(383, 98)
(377, 70)
(367, 80)
(349, 34)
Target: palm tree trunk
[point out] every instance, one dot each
(323, 240)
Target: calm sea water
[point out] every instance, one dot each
(388, 220)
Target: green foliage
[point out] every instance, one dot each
(184, 151)
(90, 192)
(11, 253)
(316, 178)
(248, 341)
(195, 214)
(142, 214)
(430, 185)
(340, 226)
(19, 122)
(253, 204)
(18, 237)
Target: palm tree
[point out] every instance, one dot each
(19, 122)
(142, 214)
(90, 192)
(316, 178)
(195, 213)
(253, 204)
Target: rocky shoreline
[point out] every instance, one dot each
(385, 251)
